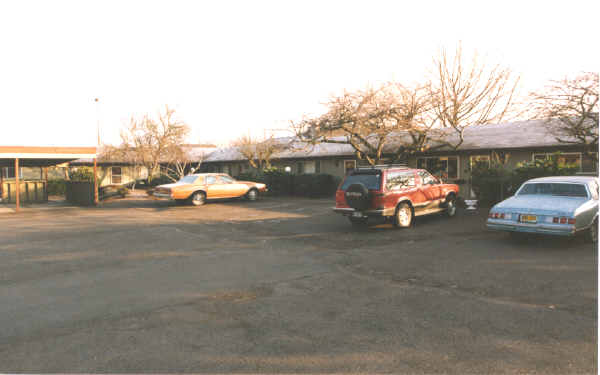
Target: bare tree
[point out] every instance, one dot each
(570, 108)
(183, 162)
(258, 152)
(149, 142)
(469, 94)
(393, 120)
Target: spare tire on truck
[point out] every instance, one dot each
(358, 197)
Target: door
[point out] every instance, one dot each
(213, 189)
(430, 188)
(230, 187)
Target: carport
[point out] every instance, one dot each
(43, 157)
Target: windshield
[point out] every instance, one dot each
(371, 181)
(566, 190)
(188, 179)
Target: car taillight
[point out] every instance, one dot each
(563, 220)
(555, 220)
(571, 221)
(501, 216)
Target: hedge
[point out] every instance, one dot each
(495, 182)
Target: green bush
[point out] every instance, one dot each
(82, 174)
(57, 187)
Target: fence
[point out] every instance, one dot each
(80, 193)
(29, 191)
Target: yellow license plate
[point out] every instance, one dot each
(528, 219)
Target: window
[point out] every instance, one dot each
(399, 180)
(115, 175)
(372, 181)
(427, 178)
(349, 165)
(227, 179)
(483, 160)
(188, 179)
(309, 166)
(317, 166)
(561, 189)
(571, 158)
(211, 180)
(442, 166)
(300, 167)
(9, 172)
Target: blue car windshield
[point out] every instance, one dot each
(565, 190)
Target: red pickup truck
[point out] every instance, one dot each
(396, 193)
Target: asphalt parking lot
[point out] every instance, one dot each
(285, 285)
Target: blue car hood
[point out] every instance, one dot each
(541, 204)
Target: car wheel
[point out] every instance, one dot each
(252, 195)
(451, 206)
(198, 198)
(358, 223)
(593, 232)
(403, 216)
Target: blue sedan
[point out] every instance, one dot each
(561, 206)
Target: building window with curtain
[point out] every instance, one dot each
(115, 175)
(440, 166)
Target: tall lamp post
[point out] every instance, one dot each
(97, 147)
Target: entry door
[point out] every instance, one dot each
(213, 189)
(430, 187)
(230, 187)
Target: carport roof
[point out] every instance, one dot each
(40, 156)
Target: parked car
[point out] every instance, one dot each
(395, 193)
(198, 188)
(561, 206)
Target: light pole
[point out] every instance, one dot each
(97, 147)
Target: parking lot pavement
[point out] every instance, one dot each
(285, 285)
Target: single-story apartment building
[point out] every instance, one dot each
(114, 171)
(520, 141)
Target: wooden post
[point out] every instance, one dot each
(17, 187)
(95, 183)
(46, 184)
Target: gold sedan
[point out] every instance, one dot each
(198, 188)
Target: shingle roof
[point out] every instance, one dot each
(518, 134)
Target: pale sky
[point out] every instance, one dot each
(230, 66)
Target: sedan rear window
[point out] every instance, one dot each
(371, 181)
(188, 179)
(566, 190)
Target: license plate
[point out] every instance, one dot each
(357, 214)
(528, 219)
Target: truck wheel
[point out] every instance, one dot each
(198, 198)
(404, 216)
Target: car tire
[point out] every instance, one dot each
(592, 232)
(358, 223)
(198, 198)
(252, 195)
(451, 206)
(403, 216)
(357, 196)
